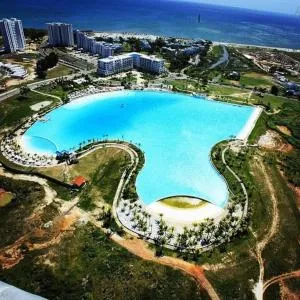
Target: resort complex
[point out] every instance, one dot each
(135, 166)
(121, 63)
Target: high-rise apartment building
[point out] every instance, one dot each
(60, 34)
(13, 34)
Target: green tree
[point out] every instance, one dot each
(24, 90)
(274, 90)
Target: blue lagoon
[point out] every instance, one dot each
(175, 131)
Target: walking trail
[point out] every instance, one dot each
(259, 287)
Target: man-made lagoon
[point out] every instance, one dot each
(175, 131)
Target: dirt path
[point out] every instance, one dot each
(12, 254)
(48, 95)
(281, 277)
(139, 248)
(259, 288)
(50, 194)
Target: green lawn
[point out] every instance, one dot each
(102, 169)
(14, 109)
(58, 71)
(256, 80)
(181, 202)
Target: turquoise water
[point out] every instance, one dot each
(175, 131)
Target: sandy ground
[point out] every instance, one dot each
(40, 105)
(245, 132)
(185, 216)
(284, 130)
(31, 72)
(271, 140)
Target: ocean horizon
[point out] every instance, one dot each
(165, 18)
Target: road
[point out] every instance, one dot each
(222, 59)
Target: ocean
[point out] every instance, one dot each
(166, 18)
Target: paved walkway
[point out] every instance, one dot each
(222, 59)
(238, 179)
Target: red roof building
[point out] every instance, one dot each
(79, 181)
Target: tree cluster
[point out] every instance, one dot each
(46, 63)
(34, 34)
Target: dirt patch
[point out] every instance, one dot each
(284, 130)
(51, 235)
(271, 140)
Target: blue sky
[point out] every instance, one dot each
(283, 6)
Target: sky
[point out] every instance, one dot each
(280, 6)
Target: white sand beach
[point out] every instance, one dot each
(247, 129)
(185, 216)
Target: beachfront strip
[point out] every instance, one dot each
(89, 44)
(13, 34)
(121, 63)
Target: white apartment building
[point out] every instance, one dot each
(60, 34)
(13, 34)
(121, 63)
(89, 44)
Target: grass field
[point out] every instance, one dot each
(14, 109)
(181, 202)
(102, 168)
(256, 80)
(58, 71)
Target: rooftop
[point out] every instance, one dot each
(79, 181)
(128, 55)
